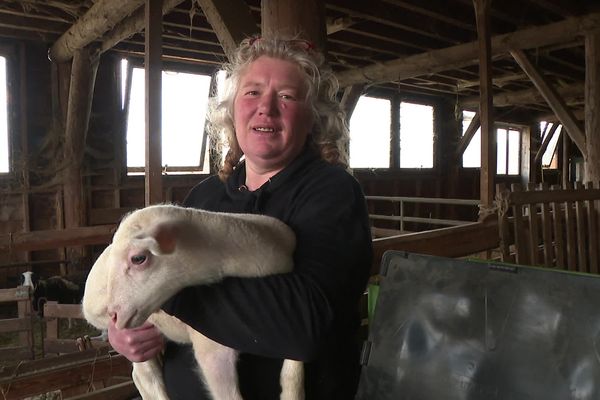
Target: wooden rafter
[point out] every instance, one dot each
(467, 54)
(555, 101)
(100, 18)
(529, 96)
(131, 25)
(231, 21)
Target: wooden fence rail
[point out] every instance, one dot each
(550, 227)
(73, 374)
(22, 325)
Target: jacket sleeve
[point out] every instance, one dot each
(291, 315)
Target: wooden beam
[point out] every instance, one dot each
(153, 102)
(467, 137)
(467, 54)
(498, 81)
(350, 97)
(54, 239)
(488, 137)
(81, 92)
(530, 96)
(456, 241)
(102, 16)
(592, 107)
(291, 18)
(565, 116)
(231, 21)
(131, 25)
(339, 24)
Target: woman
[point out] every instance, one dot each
(280, 118)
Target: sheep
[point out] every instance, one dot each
(157, 251)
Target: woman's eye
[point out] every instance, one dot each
(139, 259)
(287, 96)
(252, 93)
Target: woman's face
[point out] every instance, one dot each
(271, 116)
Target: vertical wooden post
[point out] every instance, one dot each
(566, 161)
(488, 138)
(24, 139)
(153, 67)
(592, 107)
(81, 90)
(292, 18)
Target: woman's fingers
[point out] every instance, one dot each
(137, 344)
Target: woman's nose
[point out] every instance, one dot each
(268, 104)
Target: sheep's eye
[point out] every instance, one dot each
(139, 259)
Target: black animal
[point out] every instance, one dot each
(54, 288)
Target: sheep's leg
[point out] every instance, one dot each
(148, 379)
(218, 366)
(292, 380)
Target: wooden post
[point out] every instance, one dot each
(592, 107)
(566, 161)
(153, 66)
(81, 90)
(292, 18)
(488, 138)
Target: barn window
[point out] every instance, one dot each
(472, 155)
(508, 143)
(184, 105)
(416, 135)
(370, 133)
(550, 156)
(4, 152)
(508, 146)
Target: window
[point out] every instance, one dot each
(508, 142)
(184, 104)
(472, 155)
(416, 136)
(508, 146)
(370, 133)
(550, 156)
(4, 151)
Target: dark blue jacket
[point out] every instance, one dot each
(310, 314)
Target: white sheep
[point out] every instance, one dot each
(159, 250)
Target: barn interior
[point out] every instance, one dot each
(516, 82)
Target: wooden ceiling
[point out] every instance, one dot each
(427, 48)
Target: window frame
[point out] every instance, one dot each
(134, 62)
(394, 158)
(508, 127)
(12, 113)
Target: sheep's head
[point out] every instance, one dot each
(136, 271)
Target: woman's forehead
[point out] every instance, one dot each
(270, 68)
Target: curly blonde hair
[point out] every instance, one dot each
(329, 134)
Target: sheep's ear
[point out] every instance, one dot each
(165, 235)
(162, 239)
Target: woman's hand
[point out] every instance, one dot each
(137, 344)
